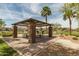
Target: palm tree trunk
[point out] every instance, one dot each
(46, 22)
(46, 18)
(70, 23)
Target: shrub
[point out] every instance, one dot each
(0, 34)
(75, 38)
(66, 33)
(6, 33)
(75, 34)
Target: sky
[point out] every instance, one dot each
(15, 12)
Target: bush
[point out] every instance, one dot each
(75, 34)
(66, 33)
(0, 34)
(6, 33)
(75, 38)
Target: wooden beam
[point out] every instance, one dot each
(32, 32)
(30, 20)
(14, 31)
(50, 31)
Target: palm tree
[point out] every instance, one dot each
(76, 11)
(77, 16)
(67, 15)
(45, 12)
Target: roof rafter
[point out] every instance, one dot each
(26, 22)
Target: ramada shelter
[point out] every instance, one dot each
(31, 24)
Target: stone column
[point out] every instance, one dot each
(32, 32)
(14, 31)
(50, 31)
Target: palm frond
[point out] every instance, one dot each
(46, 11)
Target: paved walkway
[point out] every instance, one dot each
(22, 46)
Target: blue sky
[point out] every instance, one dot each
(12, 13)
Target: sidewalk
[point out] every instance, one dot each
(24, 48)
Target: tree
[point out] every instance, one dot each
(68, 14)
(2, 24)
(45, 12)
(75, 7)
(77, 17)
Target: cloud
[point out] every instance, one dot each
(64, 23)
(12, 13)
(34, 8)
(8, 14)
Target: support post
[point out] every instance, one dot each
(32, 32)
(50, 31)
(14, 31)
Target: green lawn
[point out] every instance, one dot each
(5, 50)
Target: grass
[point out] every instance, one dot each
(5, 50)
(74, 33)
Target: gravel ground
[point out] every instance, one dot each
(67, 43)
